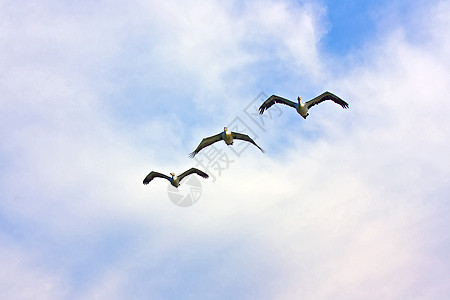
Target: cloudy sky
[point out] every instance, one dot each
(348, 204)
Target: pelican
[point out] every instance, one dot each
(227, 136)
(174, 180)
(302, 107)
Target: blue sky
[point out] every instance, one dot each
(347, 204)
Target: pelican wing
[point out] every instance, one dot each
(154, 174)
(244, 137)
(326, 96)
(275, 99)
(192, 171)
(205, 143)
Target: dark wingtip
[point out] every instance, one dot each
(192, 154)
(145, 182)
(202, 174)
(261, 110)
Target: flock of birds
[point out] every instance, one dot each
(228, 137)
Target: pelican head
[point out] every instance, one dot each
(173, 174)
(299, 99)
(225, 128)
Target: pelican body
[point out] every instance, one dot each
(301, 107)
(175, 181)
(227, 136)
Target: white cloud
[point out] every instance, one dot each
(216, 46)
(21, 277)
(352, 213)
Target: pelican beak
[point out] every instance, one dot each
(225, 128)
(173, 174)
(299, 98)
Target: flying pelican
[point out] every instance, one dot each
(302, 107)
(174, 180)
(227, 136)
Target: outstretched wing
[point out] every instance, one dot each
(275, 99)
(192, 171)
(154, 174)
(326, 96)
(244, 137)
(205, 143)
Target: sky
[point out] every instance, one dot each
(347, 204)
